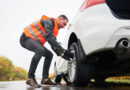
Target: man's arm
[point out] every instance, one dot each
(48, 25)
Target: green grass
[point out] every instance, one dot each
(118, 80)
(121, 79)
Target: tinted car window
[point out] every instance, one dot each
(121, 8)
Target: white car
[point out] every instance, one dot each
(99, 37)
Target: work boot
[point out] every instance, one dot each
(32, 82)
(47, 81)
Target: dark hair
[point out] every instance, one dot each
(64, 17)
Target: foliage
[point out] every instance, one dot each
(120, 79)
(51, 76)
(9, 72)
(6, 68)
(19, 73)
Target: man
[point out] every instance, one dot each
(33, 39)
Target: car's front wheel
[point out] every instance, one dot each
(79, 72)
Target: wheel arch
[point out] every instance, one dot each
(72, 38)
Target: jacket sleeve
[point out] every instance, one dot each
(48, 25)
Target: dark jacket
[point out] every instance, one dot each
(48, 25)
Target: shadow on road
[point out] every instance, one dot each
(111, 84)
(20, 85)
(92, 86)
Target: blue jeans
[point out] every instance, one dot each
(39, 51)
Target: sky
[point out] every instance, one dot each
(17, 14)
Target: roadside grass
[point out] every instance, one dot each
(122, 79)
(117, 80)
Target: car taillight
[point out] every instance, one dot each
(89, 3)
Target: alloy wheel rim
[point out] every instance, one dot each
(72, 68)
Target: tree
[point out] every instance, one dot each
(6, 68)
(9, 72)
(19, 73)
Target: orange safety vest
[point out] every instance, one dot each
(37, 32)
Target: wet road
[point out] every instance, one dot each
(20, 85)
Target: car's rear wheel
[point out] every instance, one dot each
(100, 80)
(79, 72)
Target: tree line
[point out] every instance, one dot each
(10, 72)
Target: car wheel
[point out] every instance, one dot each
(100, 79)
(79, 72)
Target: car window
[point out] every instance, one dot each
(120, 8)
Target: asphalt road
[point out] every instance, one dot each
(20, 85)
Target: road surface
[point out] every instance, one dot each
(20, 85)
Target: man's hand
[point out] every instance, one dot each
(67, 55)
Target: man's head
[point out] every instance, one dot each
(62, 21)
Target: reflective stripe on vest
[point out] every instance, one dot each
(37, 32)
(43, 35)
(33, 34)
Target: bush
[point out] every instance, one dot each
(9, 72)
(19, 73)
(6, 68)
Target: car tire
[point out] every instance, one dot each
(79, 71)
(100, 79)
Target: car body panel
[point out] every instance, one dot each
(98, 29)
(95, 29)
